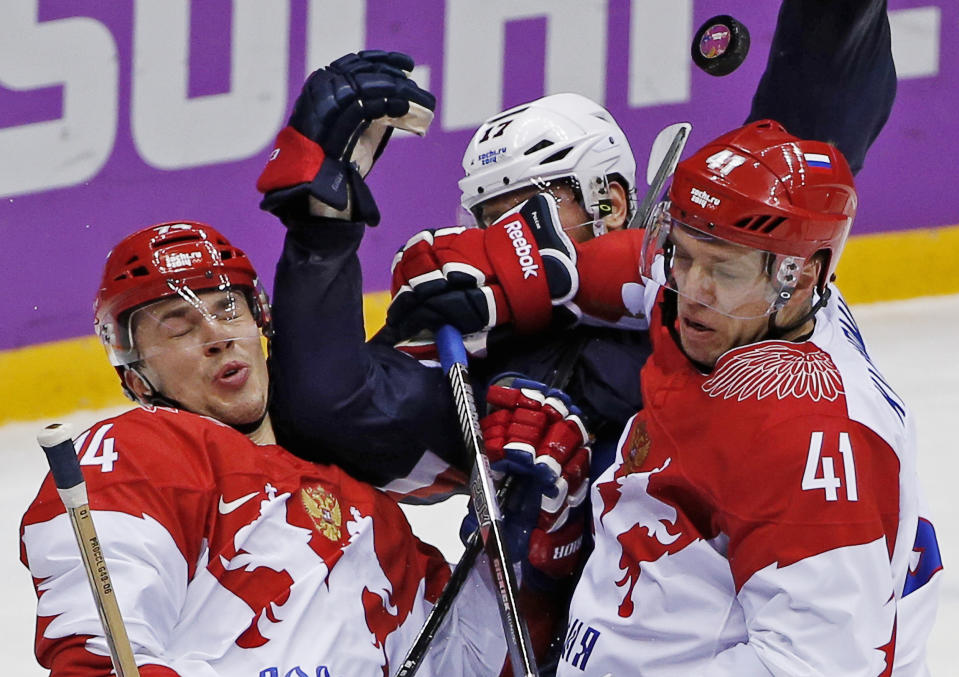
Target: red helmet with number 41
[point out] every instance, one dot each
(762, 188)
(179, 258)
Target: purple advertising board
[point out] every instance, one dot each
(118, 115)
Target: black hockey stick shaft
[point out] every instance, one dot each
(57, 444)
(424, 638)
(483, 496)
(474, 545)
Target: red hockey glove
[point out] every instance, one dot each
(340, 125)
(611, 290)
(516, 271)
(537, 436)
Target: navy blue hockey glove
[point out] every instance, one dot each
(340, 125)
(535, 435)
(518, 271)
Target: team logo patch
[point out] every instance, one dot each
(324, 509)
(776, 370)
(636, 448)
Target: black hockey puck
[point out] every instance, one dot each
(720, 45)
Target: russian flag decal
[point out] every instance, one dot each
(817, 160)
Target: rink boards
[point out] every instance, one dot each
(62, 376)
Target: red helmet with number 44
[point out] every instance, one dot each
(763, 189)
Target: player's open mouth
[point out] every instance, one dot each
(233, 374)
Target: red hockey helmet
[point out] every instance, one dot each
(762, 188)
(178, 258)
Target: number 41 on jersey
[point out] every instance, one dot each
(820, 472)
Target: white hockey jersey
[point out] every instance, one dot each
(760, 520)
(234, 559)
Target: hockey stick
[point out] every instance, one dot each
(424, 638)
(474, 544)
(57, 444)
(676, 135)
(449, 342)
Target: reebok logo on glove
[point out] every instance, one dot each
(515, 271)
(514, 229)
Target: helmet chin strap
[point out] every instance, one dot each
(776, 332)
(156, 398)
(670, 306)
(602, 204)
(599, 227)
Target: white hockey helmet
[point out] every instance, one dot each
(559, 136)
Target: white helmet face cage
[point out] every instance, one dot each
(556, 137)
(738, 281)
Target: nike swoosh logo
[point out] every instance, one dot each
(228, 507)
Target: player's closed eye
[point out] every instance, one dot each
(178, 328)
(730, 273)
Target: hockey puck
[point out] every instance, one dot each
(720, 45)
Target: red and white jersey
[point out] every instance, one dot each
(758, 520)
(230, 558)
